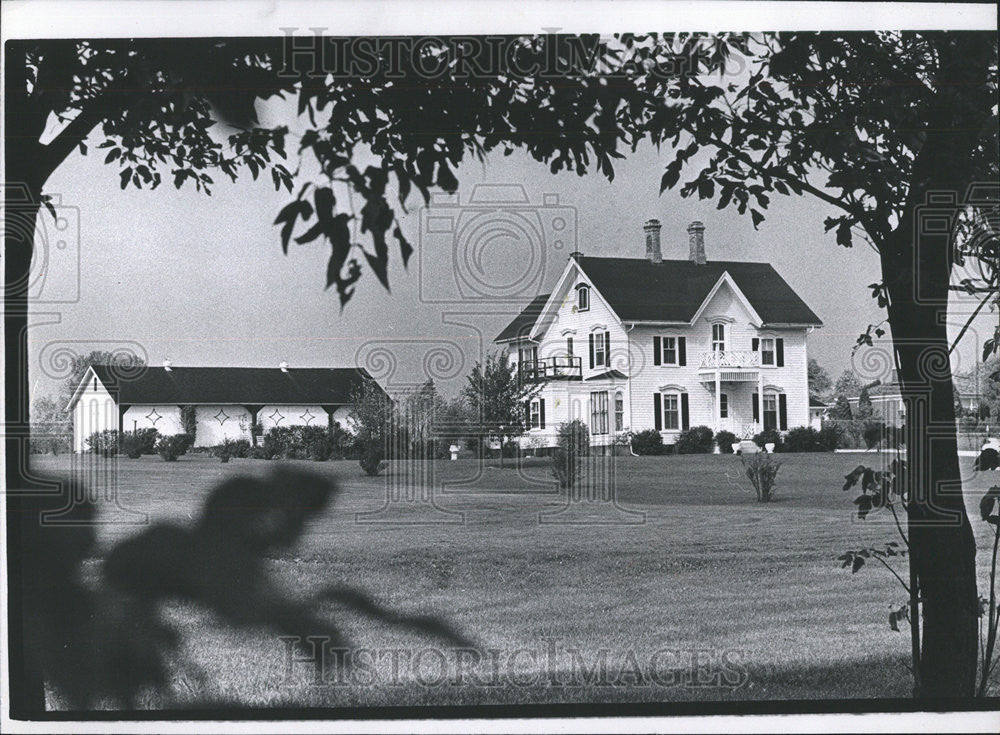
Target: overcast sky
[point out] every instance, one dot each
(202, 280)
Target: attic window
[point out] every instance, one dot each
(94, 386)
(582, 297)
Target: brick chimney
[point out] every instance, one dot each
(696, 235)
(652, 231)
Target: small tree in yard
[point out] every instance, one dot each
(841, 410)
(372, 419)
(819, 379)
(497, 397)
(573, 443)
(761, 469)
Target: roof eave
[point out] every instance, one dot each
(791, 325)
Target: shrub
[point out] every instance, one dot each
(802, 439)
(172, 447)
(873, 433)
(104, 442)
(761, 469)
(372, 456)
(131, 444)
(696, 440)
(647, 442)
(725, 440)
(239, 448)
(189, 421)
(829, 436)
(231, 448)
(147, 439)
(768, 436)
(572, 443)
(258, 453)
(317, 443)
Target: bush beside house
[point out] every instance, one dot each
(696, 440)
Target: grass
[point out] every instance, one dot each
(686, 564)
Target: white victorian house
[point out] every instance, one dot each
(227, 400)
(647, 343)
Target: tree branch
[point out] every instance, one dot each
(969, 322)
(111, 100)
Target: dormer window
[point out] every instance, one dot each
(718, 338)
(582, 297)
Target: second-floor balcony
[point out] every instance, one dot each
(730, 359)
(551, 368)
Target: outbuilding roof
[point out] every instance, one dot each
(236, 385)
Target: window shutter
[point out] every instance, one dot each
(682, 351)
(591, 350)
(607, 349)
(755, 345)
(685, 424)
(657, 412)
(541, 413)
(657, 350)
(527, 414)
(782, 412)
(756, 407)
(779, 348)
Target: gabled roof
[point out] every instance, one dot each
(193, 385)
(674, 291)
(608, 375)
(523, 322)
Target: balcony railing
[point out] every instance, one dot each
(551, 368)
(730, 359)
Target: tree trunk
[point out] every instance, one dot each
(26, 170)
(942, 545)
(26, 685)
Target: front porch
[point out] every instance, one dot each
(736, 383)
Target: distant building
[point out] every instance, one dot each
(887, 400)
(227, 400)
(817, 412)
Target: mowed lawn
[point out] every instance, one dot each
(684, 566)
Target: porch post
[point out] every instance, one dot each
(718, 400)
(760, 398)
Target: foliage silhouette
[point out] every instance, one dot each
(103, 645)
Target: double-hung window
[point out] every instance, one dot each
(767, 351)
(619, 411)
(582, 298)
(669, 350)
(535, 415)
(600, 349)
(599, 412)
(671, 411)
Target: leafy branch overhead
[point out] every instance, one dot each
(156, 104)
